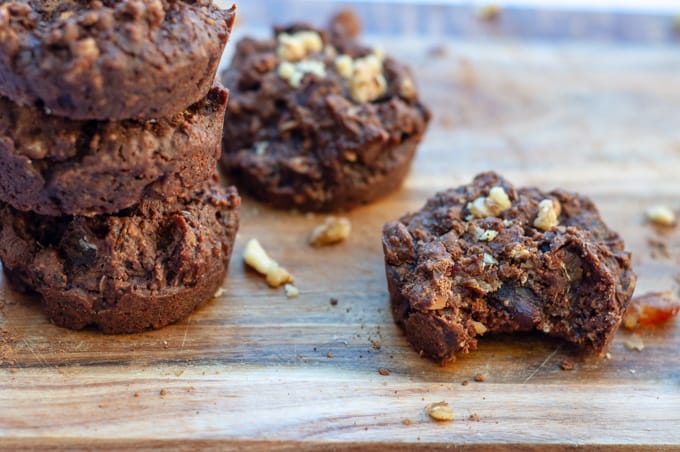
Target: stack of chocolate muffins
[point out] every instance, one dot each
(110, 130)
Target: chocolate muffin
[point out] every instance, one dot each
(487, 257)
(54, 166)
(105, 59)
(318, 122)
(141, 268)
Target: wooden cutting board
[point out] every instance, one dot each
(254, 369)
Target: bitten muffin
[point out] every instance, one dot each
(105, 59)
(54, 166)
(487, 257)
(142, 268)
(318, 122)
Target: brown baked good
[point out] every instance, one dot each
(105, 59)
(487, 257)
(318, 122)
(141, 268)
(55, 166)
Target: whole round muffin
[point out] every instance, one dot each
(55, 166)
(489, 258)
(105, 59)
(142, 268)
(318, 122)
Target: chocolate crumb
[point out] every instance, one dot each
(136, 394)
(376, 345)
(474, 417)
(334, 301)
(164, 392)
(566, 364)
(384, 372)
(465, 383)
(407, 422)
(480, 378)
(329, 355)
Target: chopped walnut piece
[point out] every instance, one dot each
(297, 46)
(294, 73)
(650, 309)
(344, 65)
(257, 258)
(333, 230)
(548, 212)
(486, 235)
(480, 328)
(367, 82)
(490, 206)
(634, 343)
(661, 215)
(440, 411)
(407, 89)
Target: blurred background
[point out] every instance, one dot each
(620, 20)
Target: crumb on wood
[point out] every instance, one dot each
(407, 422)
(479, 378)
(651, 309)
(291, 291)
(608, 355)
(465, 383)
(179, 372)
(474, 417)
(634, 342)
(384, 372)
(659, 248)
(163, 392)
(376, 345)
(136, 395)
(440, 411)
(567, 364)
(334, 301)
(219, 292)
(332, 231)
(329, 355)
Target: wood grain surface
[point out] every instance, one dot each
(253, 369)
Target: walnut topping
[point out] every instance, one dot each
(489, 260)
(440, 411)
(257, 258)
(367, 82)
(486, 235)
(490, 206)
(407, 89)
(634, 342)
(332, 231)
(297, 46)
(294, 73)
(661, 215)
(479, 327)
(344, 65)
(548, 212)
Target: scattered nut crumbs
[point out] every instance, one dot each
(256, 257)
(480, 378)
(566, 364)
(474, 417)
(329, 355)
(291, 291)
(490, 12)
(384, 372)
(440, 411)
(661, 216)
(218, 293)
(333, 230)
(651, 309)
(634, 343)
(163, 392)
(407, 422)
